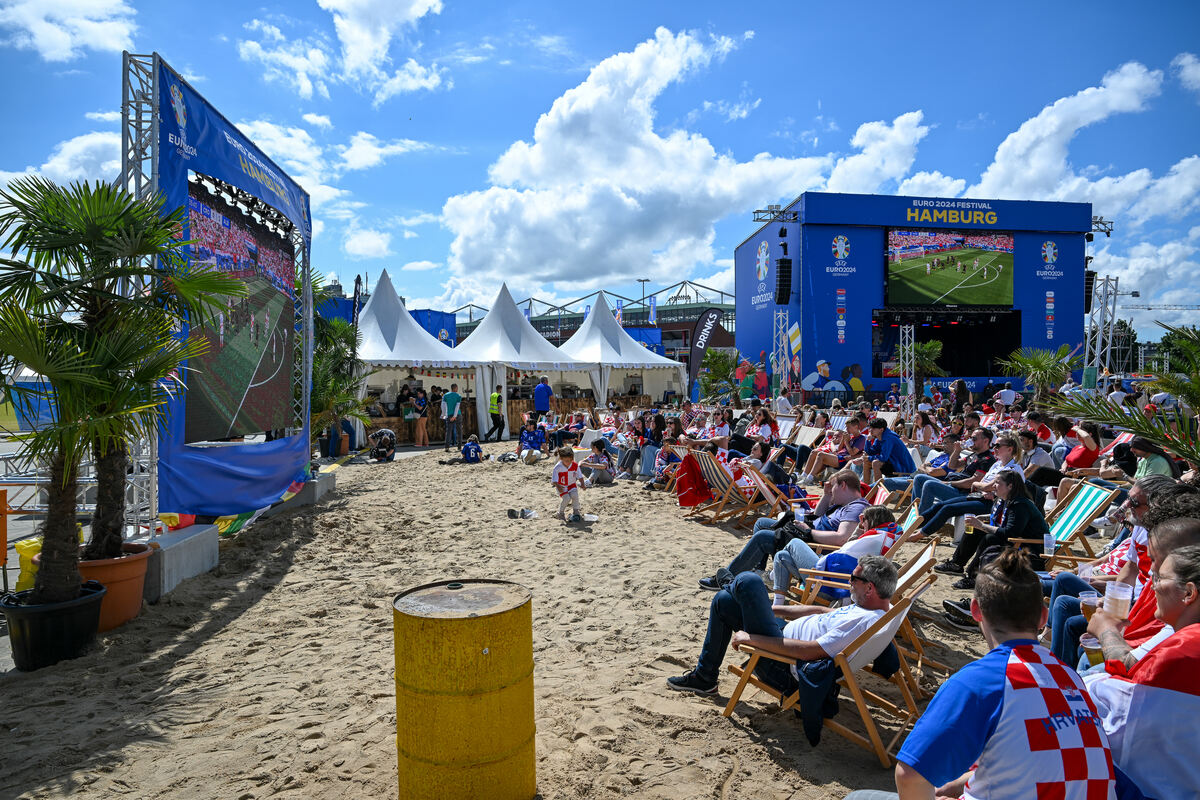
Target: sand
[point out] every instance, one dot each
(272, 676)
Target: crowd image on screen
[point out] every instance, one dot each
(236, 243)
(940, 241)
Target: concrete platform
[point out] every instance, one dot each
(312, 492)
(180, 555)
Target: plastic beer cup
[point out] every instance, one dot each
(1091, 647)
(1088, 603)
(1117, 599)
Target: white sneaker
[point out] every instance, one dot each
(587, 483)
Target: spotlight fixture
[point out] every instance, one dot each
(783, 246)
(1087, 237)
(783, 232)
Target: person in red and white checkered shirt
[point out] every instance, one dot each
(1017, 723)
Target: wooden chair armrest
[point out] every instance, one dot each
(751, 650)
(822, 573)
(1031, 541)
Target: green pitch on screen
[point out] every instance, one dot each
(908, 283)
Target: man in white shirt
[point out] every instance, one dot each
(782, 404)
(1032, 456)
(743, 614)
(1007, 395)
(1163, 400)
(1118, 395)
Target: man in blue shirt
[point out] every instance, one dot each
(451, 401)
(1017, 722)
(541, 399)
(531, 446)
(886, 453)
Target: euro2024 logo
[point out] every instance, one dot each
(764, 260)
(841, 247)
(1049, 252)
(178, 106)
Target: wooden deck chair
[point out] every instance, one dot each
(680, 451)
(786, 426)
(895, 499)
(857, 656)
(729, 500)
(1071, 517)
(815, 580)
(808, 435)
(776, 500)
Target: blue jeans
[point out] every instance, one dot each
(932, 490)
(744, 606)
(1122, 494)
(452, 433)
(1067, 624)
(1059, 454)
(941, 513)
(755, 551)
(790, 560)
(648, 454)
(897, 484)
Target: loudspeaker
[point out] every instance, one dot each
(1089, 286)
(783, 281)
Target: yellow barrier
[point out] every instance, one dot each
(464, 691)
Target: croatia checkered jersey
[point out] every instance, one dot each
(1023, 721)
(564, 477)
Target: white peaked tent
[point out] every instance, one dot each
(392, 338)
(506, 339)
(602, 340)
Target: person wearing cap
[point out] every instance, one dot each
(1150, 411)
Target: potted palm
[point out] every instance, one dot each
(925, 357)
(109, 356)
(336, 378)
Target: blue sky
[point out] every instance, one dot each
(564, 147)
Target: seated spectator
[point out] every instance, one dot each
(1032, 456)
(876, 533)
(597, 468)
(1036, 421)
(472, 453)
(1013, 516)
(742, 614)
(1067, 623)
(532, 445)
(989, 731)
(923, 436)
(838, 448)
(1081, 456)
(663, 461)
(940, 509)
(836, 516)
(965, 470)
(885, 454)
(1146, 709)
(569, 433)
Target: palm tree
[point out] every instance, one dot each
(1045, 369)
(718, 374)
(336, 378)
(1178, 434)
(925, 356)
(86, 248)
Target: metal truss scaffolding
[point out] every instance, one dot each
(139, 174)
(908, 378)
(779, 347)
(1099, 328)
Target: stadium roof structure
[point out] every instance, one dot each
(506, 337)
(391, 337)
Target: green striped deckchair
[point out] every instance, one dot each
(1083, 504)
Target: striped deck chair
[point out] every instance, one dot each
(856, 657)
(1122, 438)
(987, 420)
(838, 423)
(1070, 518)
(729, 500)
(776, 500)
(880, 495)
(673, 469)
(786, 427)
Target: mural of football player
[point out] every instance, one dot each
(819, 379)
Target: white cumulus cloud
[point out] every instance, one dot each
(420, 266)
(599, 195)
(302, 64)
(104, 116)
(361, 243)
(366, 151)
(1187, 67)
(94, 156)
(60, 30)
(318, 120)
(886, 153)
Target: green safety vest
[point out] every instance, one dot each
(494, 404)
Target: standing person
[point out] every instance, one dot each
(1017, 722)
(451, 401)
(567, 481)
(541, 398)
(496, 412)
(421, 404)
(959, 396)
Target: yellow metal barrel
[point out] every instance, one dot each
(464, 691)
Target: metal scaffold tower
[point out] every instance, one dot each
(908, 377)
(139, 174)
(1100, 326)
(780, 363)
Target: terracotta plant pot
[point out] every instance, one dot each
(124, 577)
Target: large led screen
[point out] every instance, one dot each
(949, 268)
